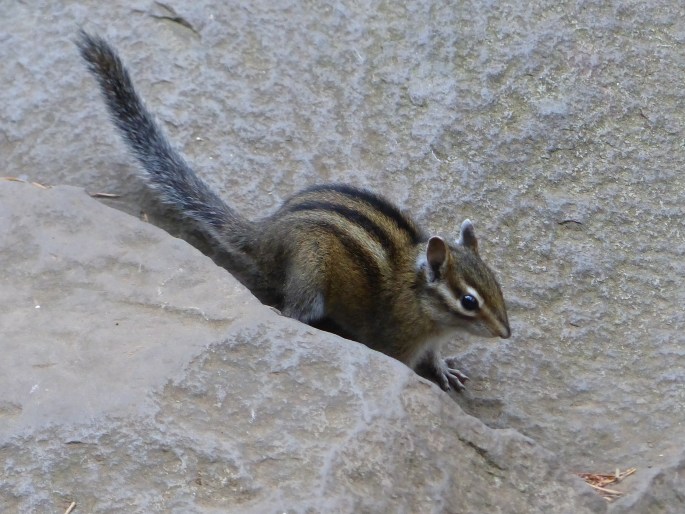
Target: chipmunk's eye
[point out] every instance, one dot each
(469, 303)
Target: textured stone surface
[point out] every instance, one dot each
(557, 128)
(660, 490)
(126, 386)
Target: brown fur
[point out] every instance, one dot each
(333, 256)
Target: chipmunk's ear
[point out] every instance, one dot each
(467, 236)
(436, 257)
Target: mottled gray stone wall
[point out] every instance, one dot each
(556, 127)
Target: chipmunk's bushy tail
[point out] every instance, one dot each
(163, 168)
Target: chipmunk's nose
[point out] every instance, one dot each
(501, 328)
(505, 330)
(498, 327)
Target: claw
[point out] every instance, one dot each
(454, 377)
(443, 372)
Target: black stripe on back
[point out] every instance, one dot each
(353, 216)
(377, 202)
(358, 253)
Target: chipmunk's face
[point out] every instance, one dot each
(461, 291)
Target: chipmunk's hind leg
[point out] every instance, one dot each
(303, 297)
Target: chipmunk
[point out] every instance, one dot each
(331, 254)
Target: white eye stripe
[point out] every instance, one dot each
(471, 291)
(455, 303)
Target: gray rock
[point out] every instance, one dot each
(660, 490)
(138, 376)
(556, 127)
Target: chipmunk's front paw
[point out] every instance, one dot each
(450, 377)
